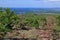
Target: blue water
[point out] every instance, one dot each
(35, 10)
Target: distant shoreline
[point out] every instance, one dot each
(34, 10)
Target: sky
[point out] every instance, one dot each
(30, 3)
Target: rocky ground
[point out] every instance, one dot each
(32, 34)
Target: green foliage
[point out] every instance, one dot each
(58, 20)
(0, 9)
(7, 10)
(57, 27)
(7, 17)
(31, 20)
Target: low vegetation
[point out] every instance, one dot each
(9, 20)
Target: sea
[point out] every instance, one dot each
(35, 10)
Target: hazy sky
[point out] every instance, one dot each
(30, 3)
